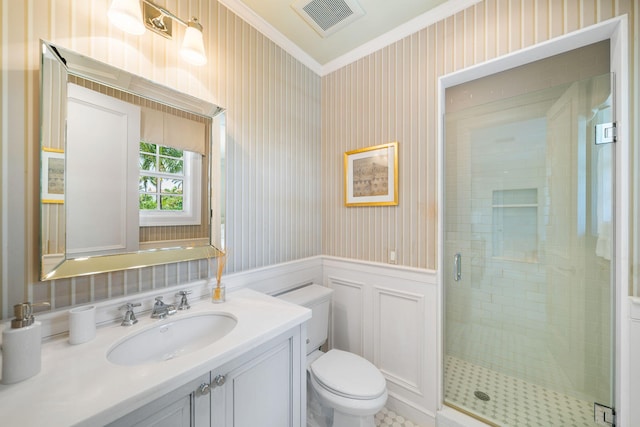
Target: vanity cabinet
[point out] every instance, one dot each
(263, 391)
(263, 387)
(184, 407)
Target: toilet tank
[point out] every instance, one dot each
(318, 299)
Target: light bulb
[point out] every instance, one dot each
(193, 44)
(127, 15)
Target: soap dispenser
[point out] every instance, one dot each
(21, 353)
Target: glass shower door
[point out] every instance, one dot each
(528, 257)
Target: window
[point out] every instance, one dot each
(169, 186)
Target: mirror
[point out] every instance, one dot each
(131, 171)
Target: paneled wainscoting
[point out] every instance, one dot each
(389, 315)
(385, 313)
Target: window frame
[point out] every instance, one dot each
(191, 195)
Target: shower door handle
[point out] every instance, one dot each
(457, 267)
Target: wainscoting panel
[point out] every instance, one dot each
(388, 314)
(397, 337)
(347, 315)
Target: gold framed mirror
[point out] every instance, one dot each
(131, 171)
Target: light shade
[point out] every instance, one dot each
(193, 44)
(127, 15)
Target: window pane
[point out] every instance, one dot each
(147, 162)
(148, 202)
(148, 184)
(170, 151)
(170, 165)
(146, 147)
(171, 203)
(170, 186)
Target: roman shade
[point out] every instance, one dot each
(167, 129)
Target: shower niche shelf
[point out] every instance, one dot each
(515, 225)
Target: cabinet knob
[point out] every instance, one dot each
(219, 380)
(204, 389)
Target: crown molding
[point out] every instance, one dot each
(449, 8)
(247, 14)
(418, 23)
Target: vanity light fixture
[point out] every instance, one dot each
(129, 16)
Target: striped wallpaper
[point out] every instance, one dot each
(287, 129)
(273, 138)
(391, 95)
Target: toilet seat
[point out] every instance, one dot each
(348, 375)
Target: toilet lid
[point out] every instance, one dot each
(348, 375)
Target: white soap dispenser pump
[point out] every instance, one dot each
(21, 346)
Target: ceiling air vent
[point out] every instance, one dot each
(328, 16)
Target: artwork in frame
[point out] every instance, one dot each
(371, 176)
(52, 175)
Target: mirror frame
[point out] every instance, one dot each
(72, 63)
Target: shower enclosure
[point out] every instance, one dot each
(528, 256)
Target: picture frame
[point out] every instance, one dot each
(52, 175)
(371, 176)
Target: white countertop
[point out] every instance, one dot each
(79, 386)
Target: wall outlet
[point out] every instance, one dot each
(392, 257)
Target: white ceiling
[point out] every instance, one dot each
(384, 22)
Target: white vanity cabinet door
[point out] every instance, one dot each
(265, 390)
(184, 407)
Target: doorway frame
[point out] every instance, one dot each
(615, 30)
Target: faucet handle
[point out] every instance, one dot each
(129, 318)
(159, 300)
(129, 306)
(184, 304)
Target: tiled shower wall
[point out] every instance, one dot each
(273, 131)
(391, 95)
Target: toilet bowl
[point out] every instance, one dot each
(344, 389)
(349, 385)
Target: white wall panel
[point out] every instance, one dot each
(347, 315)
(398, 330)
(398, 351)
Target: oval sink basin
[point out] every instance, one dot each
(172, 339)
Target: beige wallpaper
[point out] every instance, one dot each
(273, 145)
(287, 129)
(391, 95)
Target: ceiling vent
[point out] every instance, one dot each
(328, 16)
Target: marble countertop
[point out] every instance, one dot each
(79, 386)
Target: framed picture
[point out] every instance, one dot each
(371, 176)
(52, 175)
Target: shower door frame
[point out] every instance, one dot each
(615, 30)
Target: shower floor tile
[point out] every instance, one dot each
(512, 401)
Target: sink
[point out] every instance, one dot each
(171, 339)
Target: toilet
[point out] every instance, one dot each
(343, 389)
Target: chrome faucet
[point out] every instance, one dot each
(161, 310)
(129, 318)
